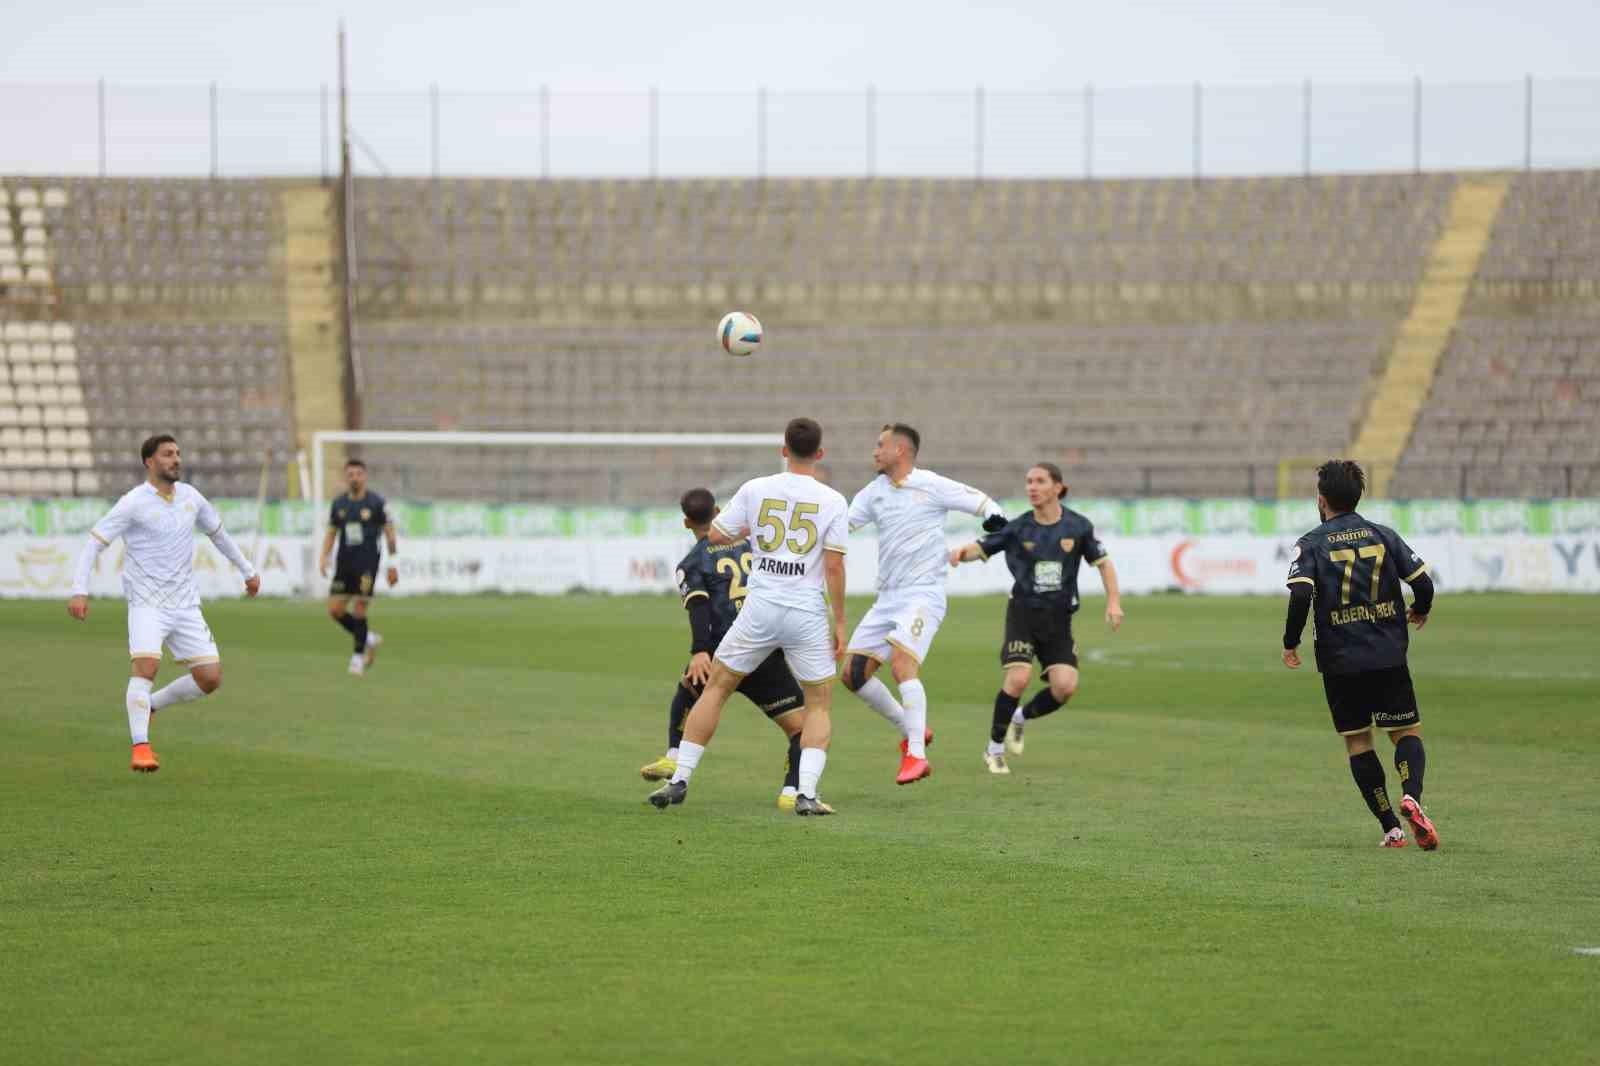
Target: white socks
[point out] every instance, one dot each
(139, 710)
(916, 717)
(812, 760)
(180, 691)
(877, 696)
(994, 749)
(672, 753)
(1017, 717)
(688, 758)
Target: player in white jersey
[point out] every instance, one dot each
(908, 506)
(797, 529)
(157, 521)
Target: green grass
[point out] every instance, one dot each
(451, 860)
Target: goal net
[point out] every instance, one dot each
(536, 512)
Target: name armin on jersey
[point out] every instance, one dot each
(781, 567)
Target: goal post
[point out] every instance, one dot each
(323, 441)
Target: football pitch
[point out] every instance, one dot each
(452, 860)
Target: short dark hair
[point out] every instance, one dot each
(900, 429)
(1341, 482)
(148, 448)
(803, 436)
(348, 463)
(1055, 475)
(698, 506)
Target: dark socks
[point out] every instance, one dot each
(360, 631)
(791, 765)
(682, 701)
(1043, 703)
(1004, 705)
(1367, 769)
(1409, 761)
(347, 620)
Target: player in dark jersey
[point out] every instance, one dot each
(1349, 571)
(1043, 549)
(355, 520)
(711, 580)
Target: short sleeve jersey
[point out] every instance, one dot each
(1044, 558)
(910, 517)
(791, 520)
(158, 533)
(1355, 569)
(718, 572)
(360, 524)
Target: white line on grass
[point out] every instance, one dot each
(1586, 951)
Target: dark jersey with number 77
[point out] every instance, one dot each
(719, 573)
(1355, 569)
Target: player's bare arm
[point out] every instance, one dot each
(833, 578)
(393, 544)
(967, 553)
(1108, 578)
(327, 550)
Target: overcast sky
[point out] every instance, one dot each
(818, 44)
(816, 59)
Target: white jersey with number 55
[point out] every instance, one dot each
(792, 519)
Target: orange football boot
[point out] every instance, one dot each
(912, 769)
(144, 760)
(1421, 827)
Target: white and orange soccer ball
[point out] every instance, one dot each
(739, 333)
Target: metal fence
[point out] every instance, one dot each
(1087, 131)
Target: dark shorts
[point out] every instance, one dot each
(1382, 698)
(770, 686)
(1035, 633)
(354, 578)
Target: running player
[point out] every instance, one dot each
(1043, 549)
(157, 521)
(908, 506)
(800, 529)
(356, 519)
(712, 581)
(1350, 570)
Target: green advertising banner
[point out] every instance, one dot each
(1124, 517)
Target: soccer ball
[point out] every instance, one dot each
(739, 333)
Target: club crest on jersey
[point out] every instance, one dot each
(1027, 545)
(366, 514)
(1067, 543)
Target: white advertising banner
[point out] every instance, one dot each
(40, 566)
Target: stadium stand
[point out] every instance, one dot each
(146, 305)
(1515, 407)
(1155, 336)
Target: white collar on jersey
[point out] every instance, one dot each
(902, 482)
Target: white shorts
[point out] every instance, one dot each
(182, 630)
(904, 618)
(805, 637)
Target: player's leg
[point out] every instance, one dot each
(367, 638)
(339, 608)
(1016, 659)
(683, 698)
(808, 646)
(194, 649)
(1352, 717)
(868, 648)
(744, 647)
(917, 618)
(146, 635)
(1404, 725)
(773, 689)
